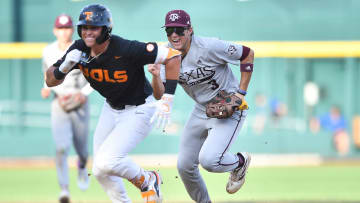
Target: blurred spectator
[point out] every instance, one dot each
(278, 110)
(314, 125)
(342, 142)
(335, 123)
(260, 113)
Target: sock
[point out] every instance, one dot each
(241, 160)
(141, 181)
(82, 163)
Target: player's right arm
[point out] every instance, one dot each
(55, 75)
(50, 79)
(45, 90)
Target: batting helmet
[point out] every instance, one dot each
(96, 15)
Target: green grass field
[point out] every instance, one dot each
(328, 183)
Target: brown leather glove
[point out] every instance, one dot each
(71, 102)
(224, 105)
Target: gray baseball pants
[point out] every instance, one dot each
(206, 141)
(67, 129)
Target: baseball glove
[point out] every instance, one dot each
(70, 102)
(224, 104)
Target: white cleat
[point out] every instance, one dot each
(64, 196)
(237, 176)
(152, 193)
(83, 179)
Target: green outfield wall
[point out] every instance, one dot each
(235, 20)
(295, 42)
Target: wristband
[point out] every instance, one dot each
(58, 74)
(170, 86)
(246, 67)
(242, 92)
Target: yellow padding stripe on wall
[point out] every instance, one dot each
(280, 49)
(21, 50)
(305, 49)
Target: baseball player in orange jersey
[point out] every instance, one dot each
(204, 74)
(68, 125)
(115, 68)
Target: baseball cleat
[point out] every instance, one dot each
(237, 176)
(152, 193)
(64, 196)
(83, 179)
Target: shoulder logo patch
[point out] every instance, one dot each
(150, 47)
(231, 50)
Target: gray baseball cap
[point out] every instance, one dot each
(177, 18)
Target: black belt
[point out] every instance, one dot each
(116, 107)
(120, 106)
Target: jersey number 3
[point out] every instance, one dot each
(213, 84)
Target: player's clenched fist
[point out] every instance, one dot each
(163, 111)
(157, 84)
(154, 69)
(72, 58)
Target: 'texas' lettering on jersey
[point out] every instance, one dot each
(196, 76)
(102, 75)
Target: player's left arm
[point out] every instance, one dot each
(171, 58)
(156, 83)
(167, 56)
(172, 70)
(246, 68)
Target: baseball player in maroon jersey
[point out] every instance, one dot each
(115, 68)
(204, 74)
(68, 126)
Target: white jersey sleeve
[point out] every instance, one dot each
(165, 53)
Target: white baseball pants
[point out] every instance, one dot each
(117, 133)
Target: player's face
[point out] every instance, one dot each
(89, 34)
(64, 35)
(179, 37)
